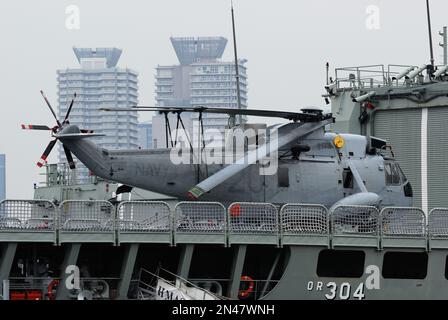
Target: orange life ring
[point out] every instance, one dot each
(50, 288)
(246, 293)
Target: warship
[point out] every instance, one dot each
(341, 219)
(364, 240)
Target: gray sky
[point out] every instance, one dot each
(287, 43)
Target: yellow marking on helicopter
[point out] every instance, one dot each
(339, 142)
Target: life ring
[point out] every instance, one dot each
(250, 289)
(235, 210)
(50, 289)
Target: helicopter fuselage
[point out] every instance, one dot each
(321, 175)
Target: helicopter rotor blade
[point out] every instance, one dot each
(43, 158)
(35, 127)
(314, 116)
(286, 135)
(50, 107)
(69, 157)
(70, 108)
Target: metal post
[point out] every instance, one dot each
(237, 270)
(71, 258)
(5, 290)
(168, 131)
(271, 273)
(444, 45)
(7, 259)
(237, 73)
(201, 122)
(431, 50)
(127, 270)
(185, 261)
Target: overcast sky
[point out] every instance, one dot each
(286, 42)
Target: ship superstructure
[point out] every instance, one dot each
(405, 106)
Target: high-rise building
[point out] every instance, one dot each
(145, 135)
(200, 79)
(2, 177)
(99, 83)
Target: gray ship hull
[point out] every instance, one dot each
(248, 251)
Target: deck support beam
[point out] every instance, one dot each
(70, 259)
(237, 270)
(127, 270)
(6, 260)
(271, 273)
(186, 257)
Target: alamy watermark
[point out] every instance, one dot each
(373, 20)
(72, 282)
(72, 19)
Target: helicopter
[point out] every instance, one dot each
(313, 164)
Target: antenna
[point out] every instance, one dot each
(430, 35)
(444, 45)
(237, 73)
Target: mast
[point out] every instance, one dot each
(431, 49)
(237, 73)
(444, 45)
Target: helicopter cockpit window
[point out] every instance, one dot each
(393, 174)
(402, 175)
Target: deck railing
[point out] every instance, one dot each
(210, 222)
(372, 76)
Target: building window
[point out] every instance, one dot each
(164, 73)
(341, 264)
(405, 265)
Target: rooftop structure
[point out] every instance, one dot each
(190, 50)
